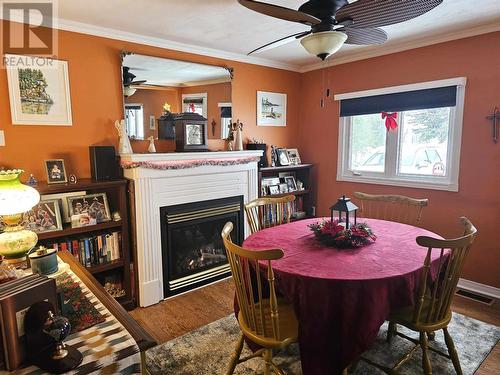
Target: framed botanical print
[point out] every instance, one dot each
(271, 109)
(39, 95)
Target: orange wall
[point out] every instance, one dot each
(153, 101)
(96, 96)
(216, 93)
(478, 197)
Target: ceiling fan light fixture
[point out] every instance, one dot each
(323, 44)
(128, 91)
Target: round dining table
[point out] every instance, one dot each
(342, 296)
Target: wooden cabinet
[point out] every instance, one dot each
(305, 198)
(116, 193)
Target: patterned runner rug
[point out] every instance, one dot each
(208, 350)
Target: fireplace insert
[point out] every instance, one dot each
(193, 253)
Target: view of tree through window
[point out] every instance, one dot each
(368, 143)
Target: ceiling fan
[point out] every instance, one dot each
(128, 82)
(335, 22)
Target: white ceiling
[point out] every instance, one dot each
(228, 27)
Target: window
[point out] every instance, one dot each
(423, 151)
(225, 119)
(134, 119)
(196, 103)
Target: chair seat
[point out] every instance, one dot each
(288, 326)
(404, 316)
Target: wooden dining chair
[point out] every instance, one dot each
(269, 212)
(431, 311)
(397, 208)
(264, 319)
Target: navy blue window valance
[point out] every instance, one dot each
(401, 101)
(225, 112)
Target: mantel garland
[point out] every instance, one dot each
(333, 234)
(184, 164)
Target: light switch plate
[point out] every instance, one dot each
(2, 138)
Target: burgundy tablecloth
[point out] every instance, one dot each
(342, 297)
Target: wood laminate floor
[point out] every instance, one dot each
(179, 315)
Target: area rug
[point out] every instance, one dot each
(208, 350)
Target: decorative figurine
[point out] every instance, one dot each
(238, 138)
(151, 147)
(124, 146)
(230, 137)
(32, 181)
(116, 216)
(72, 179)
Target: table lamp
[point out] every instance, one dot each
(15, 199)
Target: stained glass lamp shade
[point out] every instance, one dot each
(15, 199)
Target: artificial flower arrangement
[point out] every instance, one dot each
(334, 234)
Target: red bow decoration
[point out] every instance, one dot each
(191, 107)
(390, 120)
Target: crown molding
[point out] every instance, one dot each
(422, 42)
(84, 28)
(104, 32)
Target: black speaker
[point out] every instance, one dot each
(259, 146)
(104, 163)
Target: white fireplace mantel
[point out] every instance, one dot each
(155, 188)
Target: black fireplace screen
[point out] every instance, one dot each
(192, 249)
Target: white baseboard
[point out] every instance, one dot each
(485, 290)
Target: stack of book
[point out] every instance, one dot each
(94, 250)
(16, 297)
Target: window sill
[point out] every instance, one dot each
(404, 182)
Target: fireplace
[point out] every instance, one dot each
(193, 253)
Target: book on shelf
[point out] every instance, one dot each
(93, 250)
(293, 208)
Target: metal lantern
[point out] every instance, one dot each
(344, 205)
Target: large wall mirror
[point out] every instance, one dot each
(154, 86)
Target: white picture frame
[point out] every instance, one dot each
(271, 109)
(56, 108)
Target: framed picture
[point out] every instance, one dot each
(282, 156)
(290, 183)
(293, 156)
(44, 217)
(283, 188)
(56, 172)
(271, 109)
(274, 189)
(63, 202)
(39, 95)
(88, 209)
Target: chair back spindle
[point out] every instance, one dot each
(268, 212)
(396, 208)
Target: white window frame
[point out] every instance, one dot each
(138, 125)
(450, 182)
(202, 95)
(224, 122)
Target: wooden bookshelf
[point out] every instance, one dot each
(302, 172)
(117, 195)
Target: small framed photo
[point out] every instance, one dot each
(283, 188)
(63, 199)
(282, 156)
(56, 171)
(293, 156)
(44, 217)
(263, 191)
(290, 183)
(88, 209)
(274, 189)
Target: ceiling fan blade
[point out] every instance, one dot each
(377, 13)
(371, 35)
(283, 13)
(280, 42)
